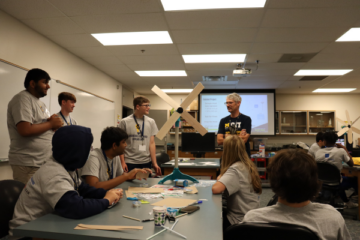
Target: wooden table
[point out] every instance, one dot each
(196, 167)
(353, 172)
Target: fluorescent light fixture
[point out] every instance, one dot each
(214, 58)
(172, 73)
(177, 90)
(133, 38)
(332, 90)
(178, 5)
(324, 72)
(353, 35)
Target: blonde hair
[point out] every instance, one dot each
(234, 96)
(235, 151)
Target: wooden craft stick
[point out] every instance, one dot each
(132, 218)
(181, 215)
(156, 234)
(108, 227)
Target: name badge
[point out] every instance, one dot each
(142, 148)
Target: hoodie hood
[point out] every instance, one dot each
(71, 146)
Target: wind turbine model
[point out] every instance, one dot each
(349, 128)
(175, 119)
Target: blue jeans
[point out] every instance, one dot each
(347, 183)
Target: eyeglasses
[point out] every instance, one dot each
(229, 103)
(146, 105)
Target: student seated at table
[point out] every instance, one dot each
(294, 179)
(336, 154)
(317, 145)
(239, 180)
(56, 186)
(103, 169)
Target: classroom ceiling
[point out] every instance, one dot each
(264, 34)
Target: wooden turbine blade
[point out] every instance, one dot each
(349, 135)
(342, 131)
(165, 97)
(347, 117)
(194, 123)
(355, 121)
(195, 92)
(166, 127)
(355, 130)
(341, 121)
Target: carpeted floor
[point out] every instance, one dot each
(349, 214)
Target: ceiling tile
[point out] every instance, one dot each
(343, 48)
(90, 51)
(210, 66)
(263, 58)
(274, 72)
(103, 60)
(349, 58)
(214, 19)
(343, 84)
(214, 35)
(313, 17)
(95, 7)
(113, 68)
(264, 66)
(210, 72)
(122, 23)
(284, 47)
(325, 34)
(158, 66)
(151, 49)
(312, 3)
(54, 26)
(75, 40)
(217, 48)
(21, 9)
(151, 59)
(249, 84)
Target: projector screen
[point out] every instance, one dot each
(259, 105)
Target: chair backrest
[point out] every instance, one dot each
(9, 193)
(328, 173)
(162, 158)
(268, 231)
(273, 200)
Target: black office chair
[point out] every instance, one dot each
(268, 231)
(273, 201)
(162, 158)
(9, 193)
(329, 174)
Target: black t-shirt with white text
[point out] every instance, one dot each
(240, 122)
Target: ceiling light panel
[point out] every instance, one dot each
(133, 38)
(353, 35)
(324, 72)
(214, 58)
(334, 90)
(172, 73)
(183, 5)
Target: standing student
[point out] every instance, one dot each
(317, 145)
(236, 122)
(239, 180)
(140, 151)
(67, 103)
(293, 178)
(336, 154)
(103, 169)
(30, 126)
(57, 186)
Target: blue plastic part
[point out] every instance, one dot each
(132, 198)
(176, 174)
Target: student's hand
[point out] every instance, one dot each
(157, 170)
(55, 122)
(125, 167)
(112, 196)
(119, 192)
(132, 174)
(243, 132)
(338, 145)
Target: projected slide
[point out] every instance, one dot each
(213, 109)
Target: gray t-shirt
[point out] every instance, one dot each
(132, 153)
(69, 120)
(28, 151)
(322, 219)
(42, 192)
(332, 155)
(96, 166)
(313, 149)
(242, 197)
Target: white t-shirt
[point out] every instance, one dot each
(69, 120)
(332, 155)
(96, 166)
(132, 153)
(313, 149)
(28, 151)
(242, 197)
(322, 219)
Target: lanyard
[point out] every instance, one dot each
(65, 119)
(109, 171)
(238, 118)
(139, 131)
(75, 182)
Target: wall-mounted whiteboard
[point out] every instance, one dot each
(90, 111)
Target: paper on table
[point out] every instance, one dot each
(194, 190)
(107, 227)
(145, 190)
(175, 202)
(129, 194)
(140, 175)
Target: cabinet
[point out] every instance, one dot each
(321, 121)
(293, 122)
(184, 125)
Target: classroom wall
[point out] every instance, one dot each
(23, 46)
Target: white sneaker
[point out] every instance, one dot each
(351, 204)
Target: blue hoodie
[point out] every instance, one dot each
(71, 148)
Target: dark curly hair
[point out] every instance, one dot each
(293, 175)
